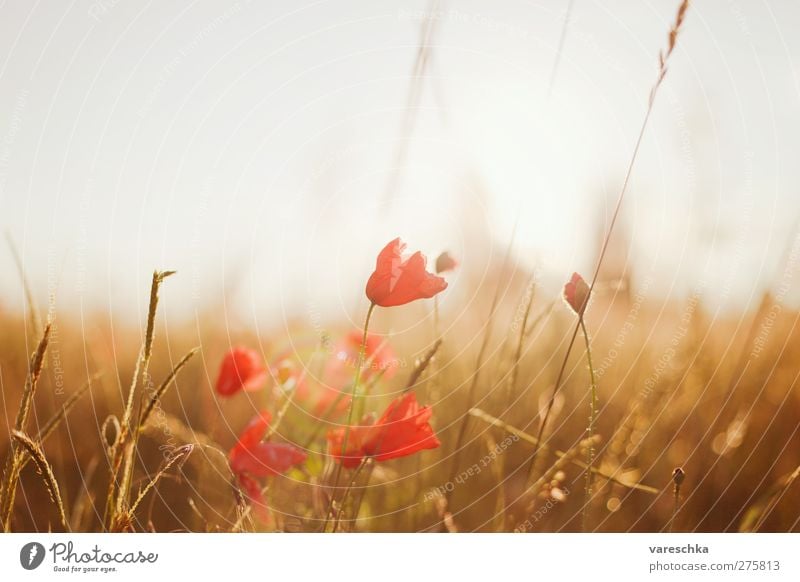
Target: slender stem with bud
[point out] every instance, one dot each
(663, 58)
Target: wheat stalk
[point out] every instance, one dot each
(123, 448)
(44, 469)
(14, 459)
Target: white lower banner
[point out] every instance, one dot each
(354, 557)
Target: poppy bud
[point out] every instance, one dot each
(445, 262)
(576, 294)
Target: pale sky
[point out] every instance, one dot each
(249, 145)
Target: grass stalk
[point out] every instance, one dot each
(161, 390)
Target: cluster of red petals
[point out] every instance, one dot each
(576, 294)
(262, 459)
(397, 281)
(241, 369)
(403, 429)
(251, 459)
(379, 357)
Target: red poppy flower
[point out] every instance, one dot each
(403, 429)
(241, 369)
(396, 281)
(576, 294)
(252, 457)
(445, 262)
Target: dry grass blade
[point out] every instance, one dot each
(421, 63)
(245, 508)
(34, 371)
(156, 398)
(421, 365)
(52, 424)
(179, 455)
(570, 456)
(530, 439)
(55, 420)
(36, 321)
(44, 469)
(83, 506)
(530, 291)
(755, 517)
(12, 465)
(109, 438)
(171, 427)
(560, 49)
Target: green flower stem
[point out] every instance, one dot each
(590, 454)
(353, 395)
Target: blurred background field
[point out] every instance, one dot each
(267, 152)
(678, 386)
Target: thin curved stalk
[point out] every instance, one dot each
(590, 451)
(353, 396)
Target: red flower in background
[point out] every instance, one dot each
(241, 369)
(396, 281)
(252, 457)
(445, 262)
(403, 429)
(252, 489)
(576, 294)
(340, 369)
